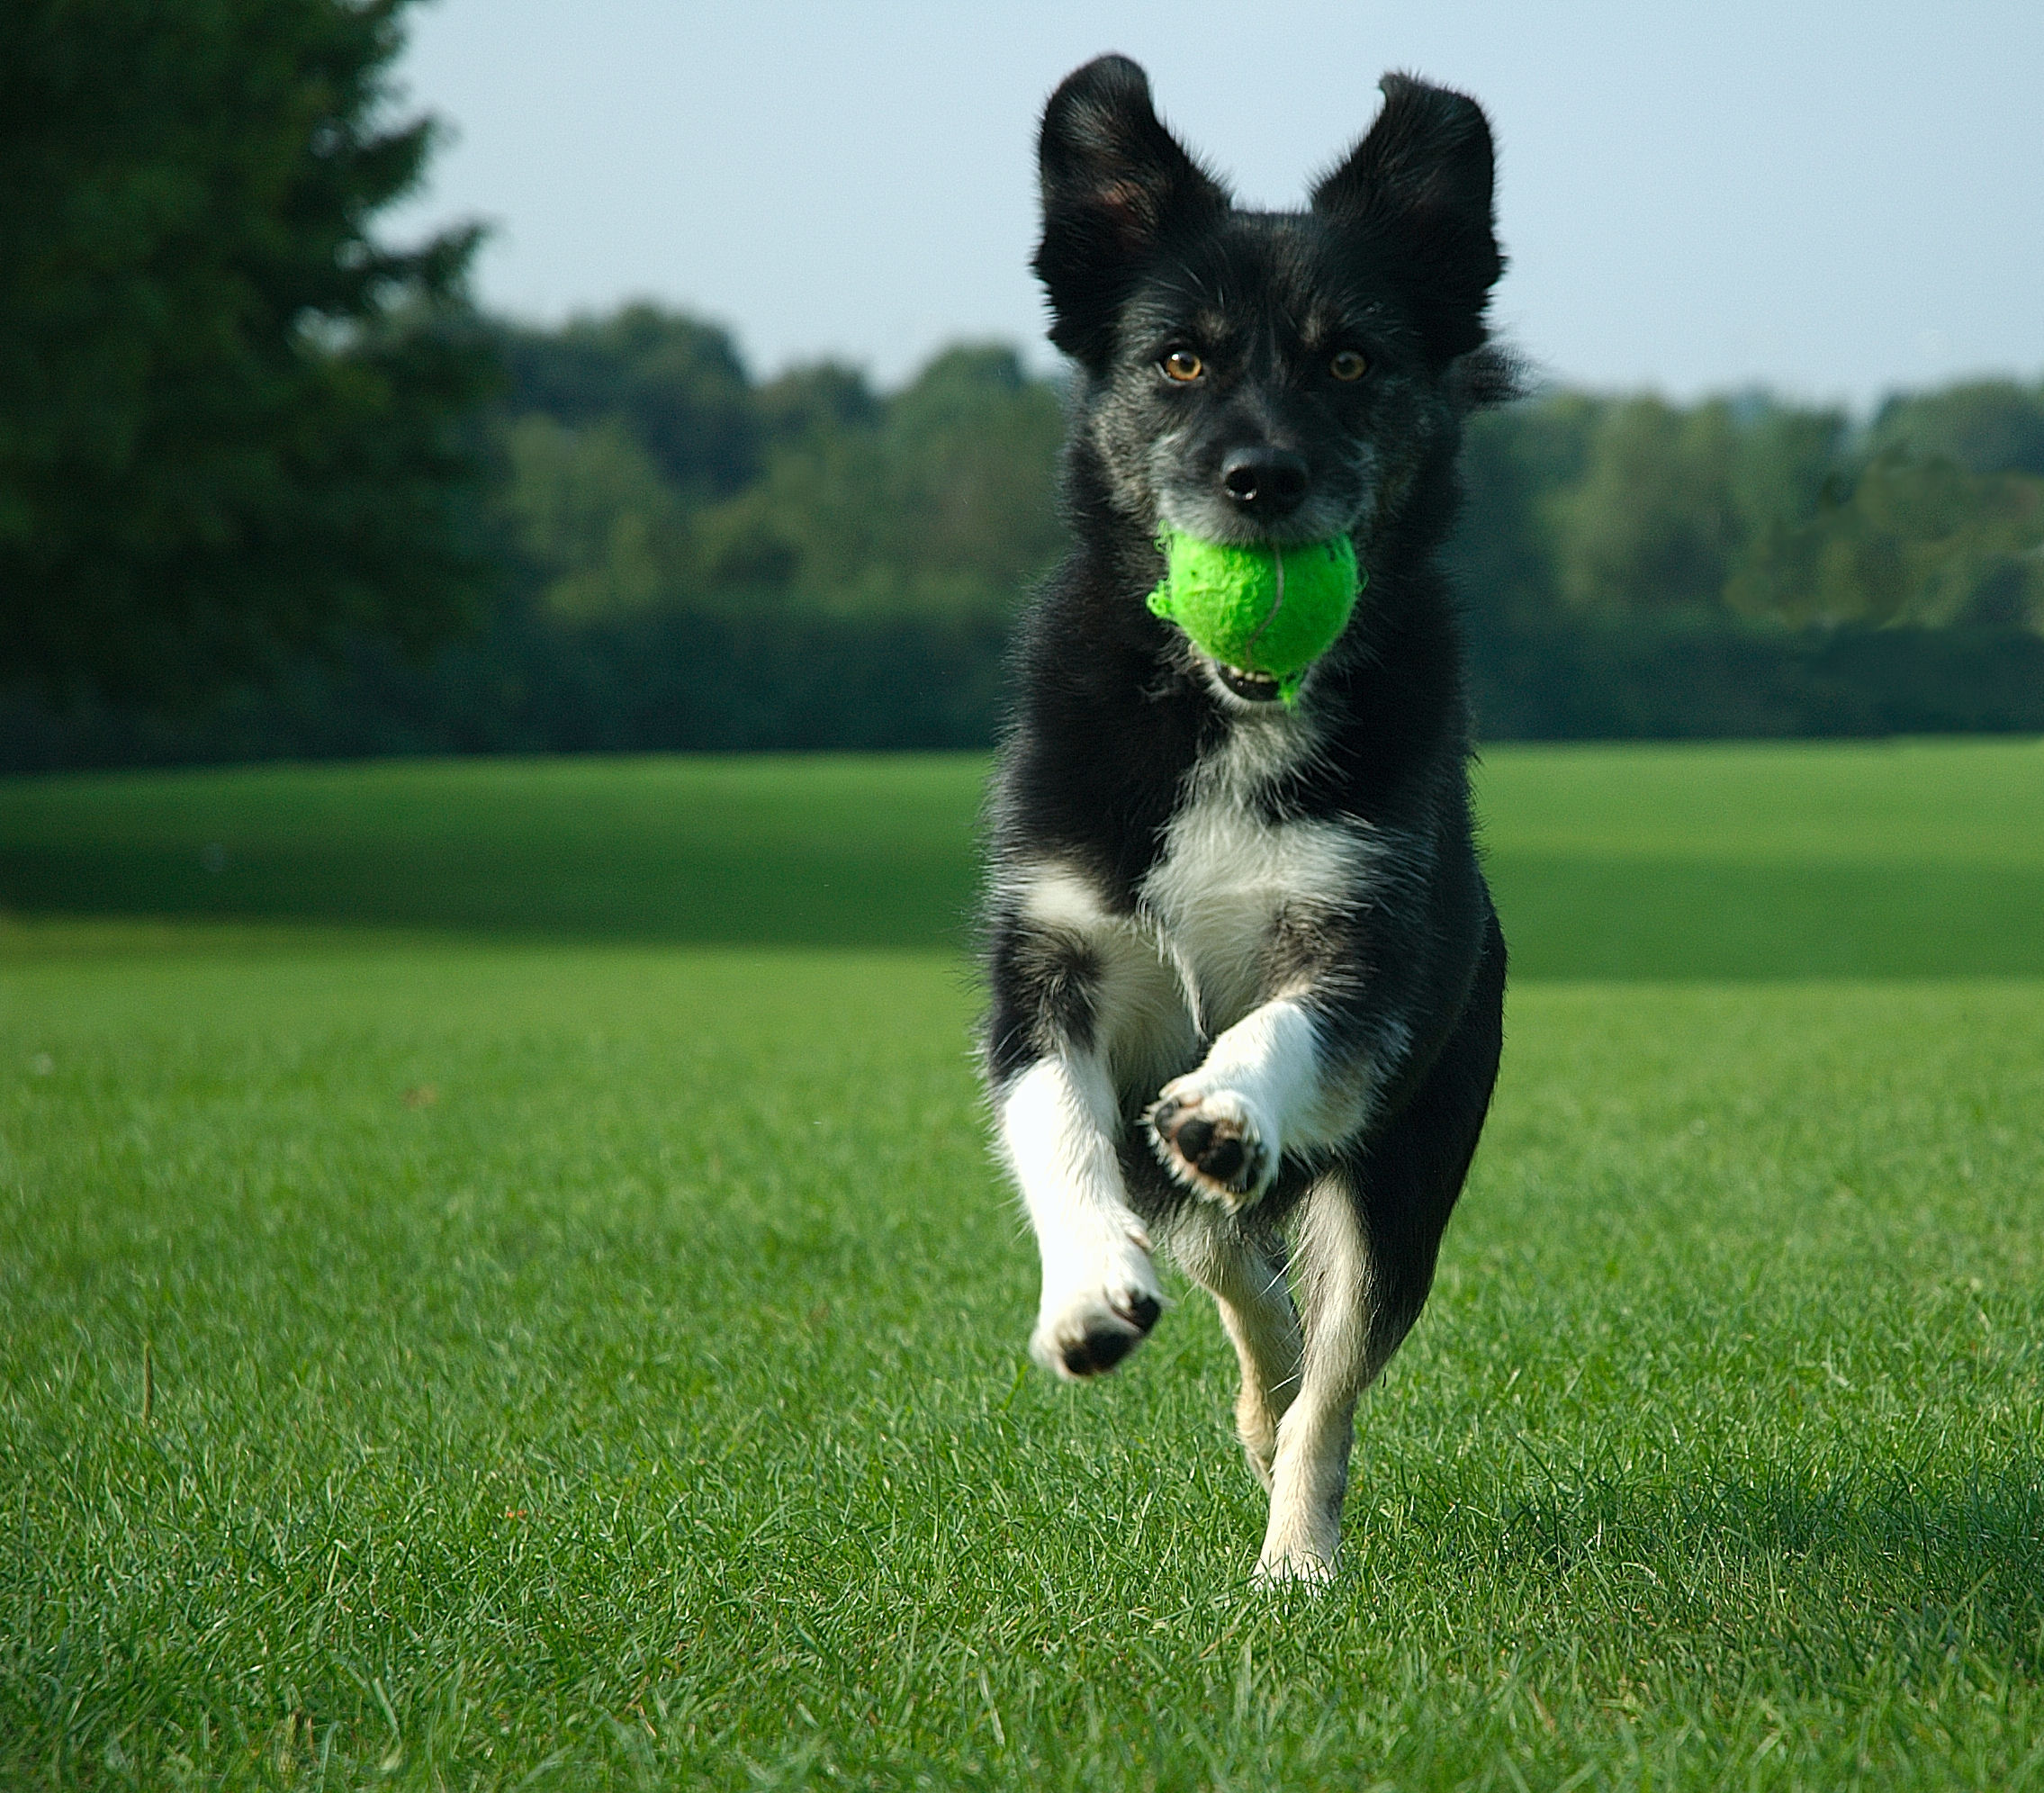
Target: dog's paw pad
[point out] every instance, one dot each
(1140, 1310)
(1213, 1144)
(1101, 1338)
(1097, 1352)
(1091, 1329)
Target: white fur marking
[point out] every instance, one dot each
(1057, 896)
(1271, 1059)
(1057, 1124)
(1143, 1032)
(1223, 879)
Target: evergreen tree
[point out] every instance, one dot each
(231, 421)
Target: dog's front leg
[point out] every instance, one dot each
(1265, 1089)
(1101, 1293)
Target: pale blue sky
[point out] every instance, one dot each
(1832, 200)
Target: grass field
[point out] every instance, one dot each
(501, 1283)
(1915, 860)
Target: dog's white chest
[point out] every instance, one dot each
(1225, 881)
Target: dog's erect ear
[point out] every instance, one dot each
(1422, 177)
(1117, 188)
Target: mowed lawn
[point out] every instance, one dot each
(502, 1284)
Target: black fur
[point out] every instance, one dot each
(1143, 256)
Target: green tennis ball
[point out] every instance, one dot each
(1260, 607)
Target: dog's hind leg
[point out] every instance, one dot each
(1245, 1277)
(1368, 1234)
(1310, 1471)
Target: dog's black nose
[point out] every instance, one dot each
(1268, 482)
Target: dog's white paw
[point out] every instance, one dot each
(1215, 1142)
(1095, 1314)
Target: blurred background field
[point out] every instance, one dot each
(1904, 859)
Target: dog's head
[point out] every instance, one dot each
(1253, 376)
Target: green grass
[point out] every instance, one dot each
(1910, 859)
(1918, 859)
(807, 851)
(444, 1359)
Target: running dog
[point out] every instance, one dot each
(1245, 977)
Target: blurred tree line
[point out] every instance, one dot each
(644, 472)
(690, 557)
(1744, 567)
(1749, 511)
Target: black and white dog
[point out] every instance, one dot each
(1246, 977)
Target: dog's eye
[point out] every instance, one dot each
(1349, 365)
(1182, 364)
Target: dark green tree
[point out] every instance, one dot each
(1652, 524)
(675, 381)
(808, 401)
(937, 501)
(1915, 540)
(605, 534)
(231, 421)
(1517, 463)
(1985, 426)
